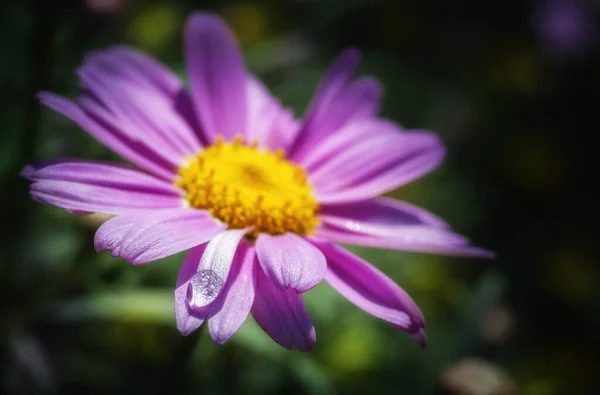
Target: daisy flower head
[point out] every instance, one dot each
(257, 197)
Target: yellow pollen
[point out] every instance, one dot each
(247, 187)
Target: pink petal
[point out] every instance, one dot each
(382, 211)
(142, 238)
(336, 103)
(186, 319)
(405, 238)
(331, 87)
(217, 76)
(262, 108)
(268, 122)
(234, 304)
(128, 147)
(364, 99)
(141, 98)
(377, 165)
(130, 63)
(206, 285)
(110, 234)
(355, 133)
(420, 337)
(290, 261)
(281, 314)
(140, 117)
(360, 100)
(369, 289)
(100, 187)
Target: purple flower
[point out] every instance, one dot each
(256, 196)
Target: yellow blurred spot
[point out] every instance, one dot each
(155, 27)
(521, 71)
(355, 349)
(399, 26)
(539, 387)
(434, 277)
(536, 162)
(516, 70)
(558, 368)
(96, 219)
(127, 339)
(247, 21)
(571, 276)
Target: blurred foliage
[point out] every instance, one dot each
(510, 86)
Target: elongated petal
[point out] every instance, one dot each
(144, 71)
(100, 187)
(148, 90)
(331, 87)
(384, 212)
(262, 108)
(363, 100)
(420, 337)
(110, 234)
(290, 261)
(94, 198)
(377, 165)
(28, 172)
(158, 235)
(370, 290)
(415, 238)
(206, 285)
(128, 147)
(217, 76)
(335, 80)
(269, 124)
(130, 63)
(135, 106)
(337, 103)
(236, 300)
(142, 98)
(142, 122)
(107, 174)
(360, 100)
(281, 314)
(186, 319)
(360, 132)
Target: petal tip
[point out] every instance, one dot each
(205, 21)
(42, 95)
(138, 260)
(476, 252)
(218, 337)
(351, 54)
(488, 254)
(307, 347)
(420, 337)
(187, 330)
(27, 172)
(99, 243)
(219, 341)
(49, 99)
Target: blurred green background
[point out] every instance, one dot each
(511, 87)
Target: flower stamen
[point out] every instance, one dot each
(247, 187)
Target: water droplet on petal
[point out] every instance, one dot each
(203, 289)
(351, 225)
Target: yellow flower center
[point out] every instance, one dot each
(246, 187)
